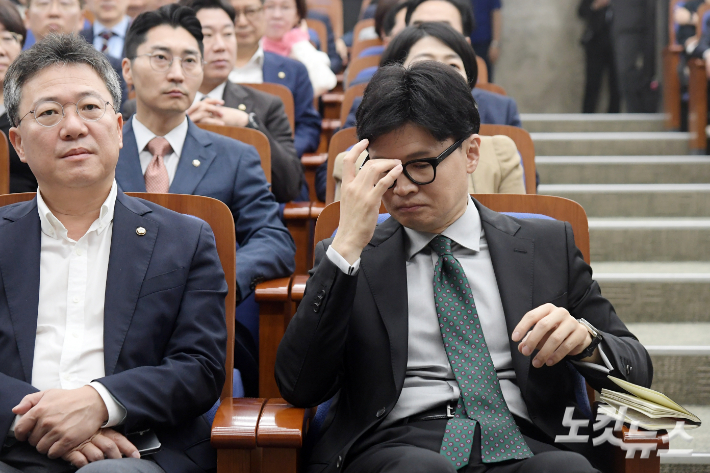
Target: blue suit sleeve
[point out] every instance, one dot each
(266, 249)
(512, 115)
(308, 121)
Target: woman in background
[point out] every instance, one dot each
(12, 38)
(287, 34)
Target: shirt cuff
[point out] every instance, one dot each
(607, 368)
(116, 411)
(342, 263)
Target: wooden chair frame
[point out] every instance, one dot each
(482, 71)
(360, 46)
(361, 25)
(525, 146)
(340, 142)
(697, 105)
(357, 65)
(4, 164)
(321, 30)
(248, 136)
(491, 87)
(357, 90)
(267, 433)
(671, 82)
(284, 93)
(334, 10)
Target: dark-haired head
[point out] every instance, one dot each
(383, 8)
(399, 49)
(173, 15)
(198, 5)
(390, 19)
(439, 14)
(427, 94)
(12, 21)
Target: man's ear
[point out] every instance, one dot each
(16, 140)
(127, 73)
(119, 124)
(474, 152)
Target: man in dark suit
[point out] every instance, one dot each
(102, 336)
(108, 31)
(524, 304)
(254, 65)
(45, 17)
(198, 162)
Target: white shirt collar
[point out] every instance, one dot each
(176, 136)
(119, 29)
(53, 228)
(257, 60)
(466, 231)
(216, 93)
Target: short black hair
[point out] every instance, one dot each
(12, 21)
(398, 50)
(198, 5)
(383, 8)
(174, 15)
(390, 18)
(463, 6)
(427, 94)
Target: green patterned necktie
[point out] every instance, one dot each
(481, 397)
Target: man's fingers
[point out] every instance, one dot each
(376, 170)
(76, 458)
(530, 319)
(557, 340)
(536, 337)
(107, 446)
(351, 156)
(27, 403)
(124, 445)
(386, 182)
(92, 452)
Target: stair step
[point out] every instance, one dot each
(697, 463)
(651, 239)
(636, 200)
(578, 122)
(611, 143)
(657, 291)
(623, 169)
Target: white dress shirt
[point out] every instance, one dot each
(252, 72)
(115, 43)
(176, 138)
(216, 93)
(69, 342)
(429, 380)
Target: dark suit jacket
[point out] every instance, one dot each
(164, 326)
(350, 332)
(286, 169)
(295, 77)
(231, 172)
(88, 35)
(21, 177)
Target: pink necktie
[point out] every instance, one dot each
(105, 36)
(156, 174)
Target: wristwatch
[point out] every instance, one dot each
(252, 122)
(596, 340)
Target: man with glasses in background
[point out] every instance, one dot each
(112, 309)
(62, 16)
(255, 66)
(164, 151)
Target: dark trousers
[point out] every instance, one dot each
(414, 448)
(482, 51)
(22, 457)
(600, 58)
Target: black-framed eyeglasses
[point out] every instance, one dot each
(50, 113)
(423, 171)
(163, 61)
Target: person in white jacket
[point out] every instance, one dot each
(287, 34)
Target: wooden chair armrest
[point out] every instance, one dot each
(316, 209)
(331, 124)
(297, 211)
(282, 425)
(313, 160)
(333, 97)
(236, 423)
(274, 290)
(674, 48)
(298, 287)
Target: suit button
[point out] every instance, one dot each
(339, 462)
(321, 293)
(380, 413)
(628, 370)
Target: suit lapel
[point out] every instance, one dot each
(384, 267)
(20, 246)
(197, 147)
(127, 266)
(129, 175)
(236, 95)
(512, 258)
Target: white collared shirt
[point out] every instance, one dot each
(69, 342)
(115, 43)
(252, 72)
(176, 138)
(216, 93)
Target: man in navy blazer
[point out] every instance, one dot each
(112, 315)
(254, 65)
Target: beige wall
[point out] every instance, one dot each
(542, 61)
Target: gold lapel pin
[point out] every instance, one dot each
(242, 107)
(196, 163)
(282, 75)
(140, 231)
